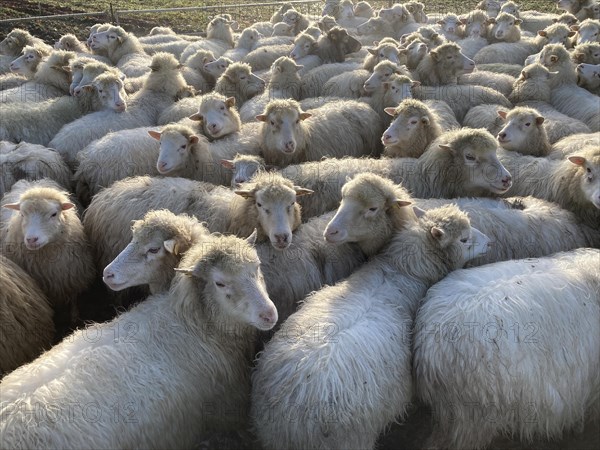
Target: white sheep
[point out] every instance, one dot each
(204, 336)
(510, 52)
(26, 317)
(505, 28)
(27, 64)
(219, 38)
(41, 121)
(14, 43)
(123, 50)
(502, 83)
(443, 65)
(31, 162)
(557, 33)
(159, 91)
(239, 82)
(244, 45)
(485, 116)
(347, 403)
(158, 242)
(415, 52)
(278, 15)
(262, 58)
(588, 77)
(45, 237)
(414, 126)
(283, 83)
(571, 144)
(524, 132)
(498, 323)
(243, 168)
(417, 9)
(450, 27)
(401, 19)
(295, 18)
(588, 31)
(586, 53)
(290, 135)
(573, 183)
(313, 81)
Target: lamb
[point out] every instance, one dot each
(505, 28)
(19, 124)
(284, 83)
(588, 31)
(532, 89)
(244, 45)
(459, 167)
(27, 64)
(158, 242)
(326, 414)
(31, 162)
(219, 38)
(200, 320)
(567, 97)
(239, 82)
(14, 43)
(45, 237)
(450, 27)
(159, 92)
(123, 50)
(290, 135)
(50, 80)
(573, 183)
(401, 19)
(545, 295)
(586, 53)
(524, 132)
(26, 316)
(296, 19)
(443, 65)
(70, 43)
(414, 126)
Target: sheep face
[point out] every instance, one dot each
(27, 62)
(587, 53)
(111, 91)
(505, 28)
(450, 24)
(248, 38)
(520, 125)
(347, 10)
(588, 75)
(291, 17)
(325, 24)
(244, 167)
(13, 43)
(108, 40)
(375, 25)
(566, 19)
(567, 5)
(397, 13)
(41, 220)
(491, 7)
(417, 10)
(403, 127)
(416, 51)
(398, 88)
(588, 31)
(303, 45)
(476, 24)
(592, 11)
(217, 67)
(363, 9)
(245, 81)
(68, 42)
(589, 171)
(199, 59)
(282, 29)
(388, 52)
(381, 73)
(557, 34)
(510, 8)
(282, 129)
(449, 59)
(218, 116)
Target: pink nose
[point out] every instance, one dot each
(387, 137)
(108, 275)
(502, 136)
(281, 238)
(290, 146)
(32, 240)
(268, 317)
(507, 181)
(162, 165)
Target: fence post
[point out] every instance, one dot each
(114, 18)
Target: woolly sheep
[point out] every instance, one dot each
(39, 123)
(70, 43)
(491, 7)
(14, 43)
(382, 72)
(588, 77)
(545, 296)
(414, 126)
(28, 62)
(417, 9)
(450, 27)
(31, 162)
(45, 237)
(278, 15)
(510, 52)
(485, 116)
(200, 320)
(554, 34)
(415, 52)
(26, 317)
(295, 18)
(244, 44)
(284, 83)
(123, 50)
(500, 82)
(514, 70)
(243, 167)
(573, 143)
(333, 46)
(475, 23)
(158, 242)
(290, 135)
(505, 28)
(586, 53)
(262, 58)
(282, 29)
(389, 94)
(312, 82)
(375, 29)
(85, 70)
(443, 65)
(381, 52)
(573, 183)
(50, 80)
(239, 82)
(219, 38)
(588, 31)
(326, 413)
(159, 91)
(524, 132)
(401, 19)
(196, 73)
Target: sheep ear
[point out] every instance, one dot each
(418, 211)
(402, 51)
(434, 55)
(518, 22)
(577, 160)
(502, 114)
(542, 33)
(386, 85)
(193, 139)
(574, 27)
(401, 203)
(372, 51)
(155, 134)
(198, 117)
(66, 205)
(189, 271)
(524, 75)
(491, 20)
(553, 58)
(375, 43)
(299, 67)
(416, 84)
(66, 69)
(172, 246)
(390, 111)
(227, 163)
(463, 20)
(539, 120)
(246, 193)
(15, 206)
(261, 117)
(234, 25)
(230, 101)
(446, 147)
(300, 191)
(252, 238)
(572, 33)
(425, 120)
(437, 233)
(305, 115)
(441, 22)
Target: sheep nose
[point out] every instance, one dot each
(502, 136)
(162, 165)
(507, 180)
(332, 232)
(108, 275)
(32, 240)
(451, 30)
(290, 146)
(281, 238)
(268, 317)
(77, 91)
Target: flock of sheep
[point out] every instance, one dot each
(322, 189)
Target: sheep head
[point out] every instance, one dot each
(587, 161)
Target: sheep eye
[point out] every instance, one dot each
(99, 91)
(588, 170)
(272, 122)
(373, 209)
(183, 146)
(464, 240)
(54, 215)
(528, 124)
(268, 211)
(153, 250)
(243, 77)
(219, 284)
(259, 204)
(222, 108)
(469, 157)
(381, 55)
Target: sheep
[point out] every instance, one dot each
(278, 15)
(567, 19)
(50, 80)
(572, 6)
(159, 91)
(26, 317)
(347, 18)
(363, 308)
(510, 52)
(335, 45)
(28, 62)
(287, 136)
(554, 34)
(282, 29)
(532, 89)
(158, 242)
(312, 82)
(31, 162)
(505, 28)
(19, 124)
(239, 82)
(262, 58)
(573, 183)
(567, 97)
(571, 144)
(417, 9)
(588, 31)
(244, 45)
(475, 23)
(219, 38)
(514, 70)
(401, 19)
(503, 369)
(491, 7)
(388, 94)
(45, 237)
(384, 51)
(524, 132)
(485, 116)
(586, 54)
(500, 82)
(14, 43)
(456, 164)
(415, 52)
(243, 167)
(123, 50)
(375, 29)
(284, 83)
(511, 8)
(70, 43)
(84, 70)
(200, 319)
(414, 126)
(443, 65)
(589, 11)
(382, 72)
(295, 18)
(450, 27)
(427, 34)
(174, 46)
